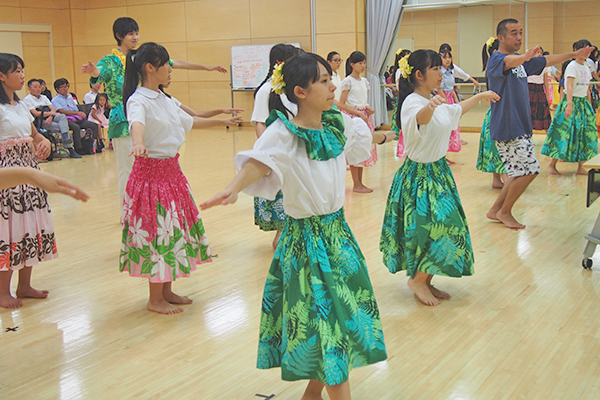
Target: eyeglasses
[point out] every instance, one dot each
(338, 60)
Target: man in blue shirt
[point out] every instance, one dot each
(65, 104)
(510, 122)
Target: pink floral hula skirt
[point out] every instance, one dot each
(163, 235)
(373, 159)
(454, 145)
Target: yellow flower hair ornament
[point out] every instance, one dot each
(277, 80)
(399, 51)
(404, 68)
(490, 42)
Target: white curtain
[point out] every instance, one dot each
(383, 20)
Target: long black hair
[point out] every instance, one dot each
(148, 53)
(9, 64)
(300, 70)
(355, 57)
(279, 53)
(487, 52)
(394, 68)
(443, 53)
(97, 101)
(420, 60)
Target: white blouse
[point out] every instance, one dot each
(166, 124)
(427, 143)
(15, 121)
(310, 187)
(358, 91)
(261, 104)
(337, 81)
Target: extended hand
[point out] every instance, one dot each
(491, 96)
(54, 184)
(233, 120)
(218, 68)
(532, 52)
(139, 150)
(437, 101)
(232, 110)
(88, 68)
(585, 52)
(224, 198)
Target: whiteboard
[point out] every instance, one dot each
(250, 65)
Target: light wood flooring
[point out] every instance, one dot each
(525, 326)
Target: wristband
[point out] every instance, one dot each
(383, 141)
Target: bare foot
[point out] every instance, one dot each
(582, 171)
(174, 298)
(450, 162)
(492, 215)
(362, 189)
(463, 142)
(509, 220)
(7, 301)
(163, 307)
(276, 239)
(497, 184)
(553, 171)
(31, 293)
(440, 294)
(423, 293)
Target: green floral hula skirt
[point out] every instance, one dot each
(319, 315)
(424, 227)
(488, 159)
(575, 138)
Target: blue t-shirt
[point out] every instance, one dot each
(448, 81)
(511, 116)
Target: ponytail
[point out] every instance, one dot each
(132, 78)
(355, 57)
(136, 60)
(489, 48)
(420, 60)
(279, 53)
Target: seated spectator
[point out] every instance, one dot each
(90, 97)
(98, 114)
(44, 90)
(65, 104)
(41, 107)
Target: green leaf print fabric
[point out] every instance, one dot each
(488, 159)
(319, 315)
(112, 74)
(321, 144)
(424, 226)
(575, 138)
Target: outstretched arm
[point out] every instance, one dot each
(468, 104)
(554, 59)
(137, 132)
(203, 123)
(514, 60)
(252, 171)
(90, 69)
(210, 113)
(10, 177)
(182, 64)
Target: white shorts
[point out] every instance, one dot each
(518, 156)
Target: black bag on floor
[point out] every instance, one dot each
(87, 141)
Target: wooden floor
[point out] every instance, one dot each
(525, 326)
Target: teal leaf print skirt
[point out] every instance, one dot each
(424, 227)
(319, 316)
(488, 159)
(575, 138)
(269, 214)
